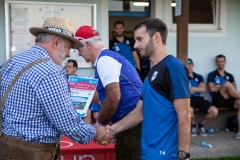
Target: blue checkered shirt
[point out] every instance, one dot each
(39, 108)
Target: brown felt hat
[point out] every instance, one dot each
(58, 26)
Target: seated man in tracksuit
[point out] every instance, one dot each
(197, 87)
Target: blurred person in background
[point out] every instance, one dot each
(197, 86)
(71, 67)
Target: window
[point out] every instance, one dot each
(200, 11)
(129, 8)
(204, 15)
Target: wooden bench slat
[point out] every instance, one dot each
(220, 109)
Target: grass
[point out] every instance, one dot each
(223, 158)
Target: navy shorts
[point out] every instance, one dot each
(95, 107)
(220, 102)
(200, 103)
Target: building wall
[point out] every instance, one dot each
(2, 33)
(204, 46)
(102, 25)
(204, 49)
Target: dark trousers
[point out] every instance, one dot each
(128, 144)
(12, 148)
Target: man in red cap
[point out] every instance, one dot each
(119, 89)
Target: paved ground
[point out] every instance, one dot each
(224, 144)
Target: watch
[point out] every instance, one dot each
(183, 155)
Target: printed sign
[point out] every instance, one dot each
(82, 91)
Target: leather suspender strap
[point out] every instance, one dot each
(1, 71)
(12, 84)
(1, 106)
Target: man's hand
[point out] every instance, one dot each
(110, 129)
(191, 90)
(103, 136)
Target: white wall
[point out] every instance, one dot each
(102, 26)
(204, 46)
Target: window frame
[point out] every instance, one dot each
(131, 13)
(219, 19)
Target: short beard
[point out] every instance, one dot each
(119, 35)
(222, 68)
(149, 50)
(60, 54)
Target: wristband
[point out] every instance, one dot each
(98, 124)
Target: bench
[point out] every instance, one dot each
(220, 109)
(220, 120)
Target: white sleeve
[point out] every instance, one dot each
(108, 70)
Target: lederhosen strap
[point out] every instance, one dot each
(12, 84)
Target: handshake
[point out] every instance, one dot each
(104, 134)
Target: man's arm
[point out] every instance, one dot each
(61, 113)
(182, 107)
(136, 59)
(110, 103)
(131, 120)
(212, 87)
(201, 88)
(95, 97)
(102, 136)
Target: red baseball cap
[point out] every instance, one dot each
(85, 32)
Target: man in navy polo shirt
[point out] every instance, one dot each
(124, 45)
(223, 88)
(164, 107)
(197, 86)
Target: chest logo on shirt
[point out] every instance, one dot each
(227, 77)
(196, 79)
(154, 75)
(117, 48)
(127, 42)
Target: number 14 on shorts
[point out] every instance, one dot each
(162, 152)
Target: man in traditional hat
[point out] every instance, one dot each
(119, 89)
(38, 110)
